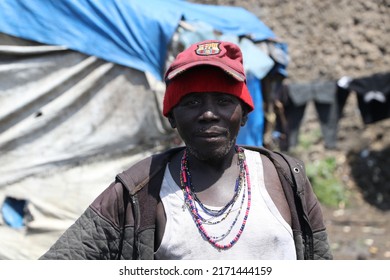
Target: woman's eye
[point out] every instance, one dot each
(190, 102)
(225, 100)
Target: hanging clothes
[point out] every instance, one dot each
(373, 95)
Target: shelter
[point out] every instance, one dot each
(80, 99)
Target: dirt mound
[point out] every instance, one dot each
(327, 39)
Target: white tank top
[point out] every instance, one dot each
(266, 235)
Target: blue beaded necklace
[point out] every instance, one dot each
(192, 202)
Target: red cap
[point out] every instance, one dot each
(224, 55)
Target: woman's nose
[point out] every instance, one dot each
(209, 112)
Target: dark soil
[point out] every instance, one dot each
(360, 228)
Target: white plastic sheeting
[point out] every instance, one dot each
(68, 123)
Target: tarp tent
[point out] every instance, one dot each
(70, 122)
(80, 100)
(133, 33)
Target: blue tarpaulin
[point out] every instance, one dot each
(252, 133)
(133, 33)
(12, 211)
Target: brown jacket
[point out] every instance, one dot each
(120, 223)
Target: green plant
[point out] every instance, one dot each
(328, 188)
(306, 140)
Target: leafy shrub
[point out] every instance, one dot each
(328, 188)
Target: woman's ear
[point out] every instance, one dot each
(171, 120)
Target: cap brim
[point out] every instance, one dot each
(236, 75)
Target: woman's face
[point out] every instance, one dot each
(208, 123)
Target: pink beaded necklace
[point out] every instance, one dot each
(192, 202)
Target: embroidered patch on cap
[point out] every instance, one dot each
(208, 49)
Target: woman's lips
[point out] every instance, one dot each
(210, 135)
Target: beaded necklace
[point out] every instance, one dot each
(229, 206)
(192, 202)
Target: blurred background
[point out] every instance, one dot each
(81, 92)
